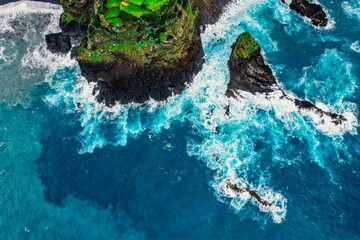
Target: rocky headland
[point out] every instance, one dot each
(249, 72)
(136, 50)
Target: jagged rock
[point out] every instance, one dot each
(306, 105)
(58, 42)
(248, 70)
(312, 11)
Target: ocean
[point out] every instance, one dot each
(158, 170)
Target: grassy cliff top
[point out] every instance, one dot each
(147, 32)
(245, 45)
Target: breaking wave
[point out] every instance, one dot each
(259, 128)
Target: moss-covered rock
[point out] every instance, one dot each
(77, 11)
(245, 45)
(248, 71)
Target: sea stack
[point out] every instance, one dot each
(248, 71)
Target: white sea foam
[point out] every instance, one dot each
(278, 206)
(227, 144)
(29, 7)
(356, 46)
(352, 9)
(24, 25)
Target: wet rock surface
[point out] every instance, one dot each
(124, 82)
(312, 11)
(58, 42)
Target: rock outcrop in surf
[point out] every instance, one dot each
(237, 189)
(249, 72)
(58, 42)
(314, 12)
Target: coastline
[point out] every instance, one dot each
(4, 2)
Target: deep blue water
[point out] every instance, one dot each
(158, 170)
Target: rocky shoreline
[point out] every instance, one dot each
(124, 78)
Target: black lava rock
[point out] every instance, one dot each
(310, 10)
(58, 42)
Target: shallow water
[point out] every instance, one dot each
(158, 170)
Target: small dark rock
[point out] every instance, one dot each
(310, 10)
(306, 105)
(227, 110)
(252, 193)
(74, 52)
(58, 42)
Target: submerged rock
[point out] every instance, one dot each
(234, 187)
(58, 42)
(312, 11)
(249, 72)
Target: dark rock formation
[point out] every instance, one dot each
(58, 42)
(248, 72)
(210, 10)
(136, 52)
(124, 82)
(312, 11)
(252, 193)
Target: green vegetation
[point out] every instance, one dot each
(77, 11)
(68, 18)
(149, 33)
(245, 45)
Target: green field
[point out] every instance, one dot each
(135, 7)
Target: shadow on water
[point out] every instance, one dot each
(160, 187)
(167, 194)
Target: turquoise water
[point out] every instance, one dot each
(158, 170)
